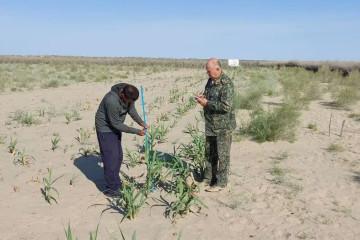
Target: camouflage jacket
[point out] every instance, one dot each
(219, 113)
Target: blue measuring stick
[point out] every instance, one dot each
(144, 115)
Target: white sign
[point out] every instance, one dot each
(233, 62)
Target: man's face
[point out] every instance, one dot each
(213, 71)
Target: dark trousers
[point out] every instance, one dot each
(112, 156)
(217, 153)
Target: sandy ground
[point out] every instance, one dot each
(317, 198)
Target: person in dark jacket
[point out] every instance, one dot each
(109, 124)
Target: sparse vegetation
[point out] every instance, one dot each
(12, 145)
(312, 126)
(335, 147)
(83, 136)
(273, 125)
(48, 189)
(55, 141)
(21, 158)
(195, 150)
(24, 118)
(71, 116)
(130, 200)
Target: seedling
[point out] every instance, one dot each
(20, 158)
(129, 201)
(48, 190)
(83, 136)
(55, 141)
(71, 116)
(133, 157)
(195, 150)
(12, 145)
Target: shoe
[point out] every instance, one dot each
(215, 188)
(111, 193)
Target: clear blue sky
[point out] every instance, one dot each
(253, 29)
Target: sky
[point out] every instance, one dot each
(250, 30)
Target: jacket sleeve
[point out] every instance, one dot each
(224, 103)
(112, 112)
(135, 116)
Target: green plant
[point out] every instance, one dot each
(186, 199)
(133, 157)
(24, 118)
(335, 147)
(163, 117)
(278, 174)
(154, 169)
(12, 145)
(312, 126)
(183, 108)
(161, 132)
(83, 136)
(299, 87)
(21, 158)
(94, 235)
(70, 236)
(55, 141)
(195, 150)
(248, 100)
(129, 201)
(133, 237)
(68, 233)
(274, 125)
(174, 95)
(345, 91)
(88, 150)
(71, 116)
(49, 188)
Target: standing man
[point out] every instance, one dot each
(109, 123)
(217, 102)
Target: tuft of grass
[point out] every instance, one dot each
(48, 190)
(21, 158)
(12, 145)
(71, 116)
(278, 174)
(55, 141)
(194, 151)
(163, 117)
(53, 83)
(312, 126)
(24, 118)
(83, 136)
(68, 233)
(335, 147)
(248, 100)
(183, 108)
(186, 199)
(299, 87)
(274, 125)
(133, 157)
(129, 201)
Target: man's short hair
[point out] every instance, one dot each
(131, 92)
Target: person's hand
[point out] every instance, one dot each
(142, 132)
(201, 99)
(146, 126)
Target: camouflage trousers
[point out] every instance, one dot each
(217, 154)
